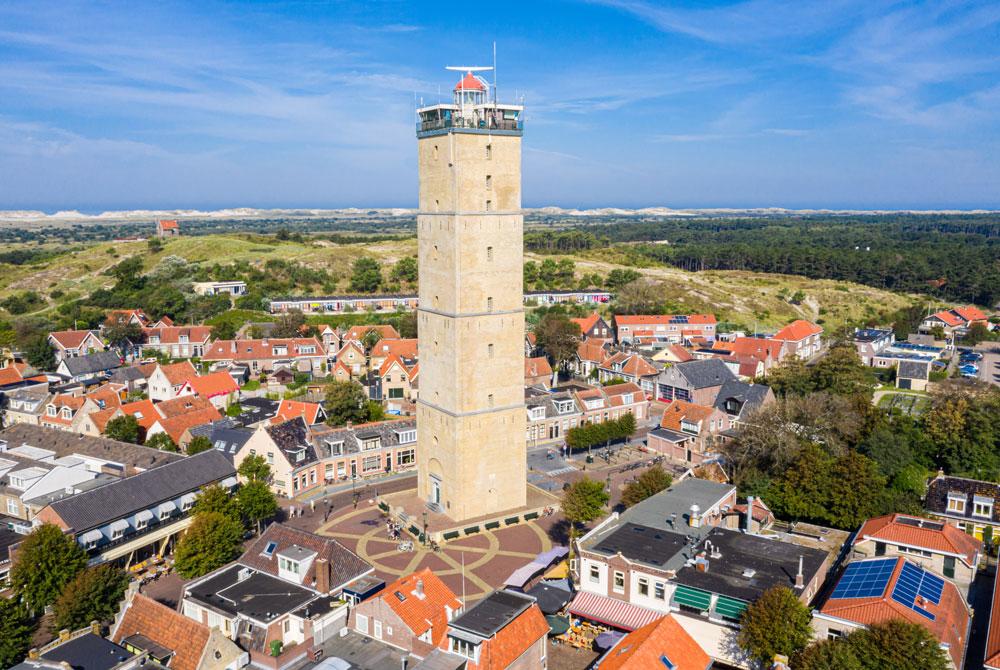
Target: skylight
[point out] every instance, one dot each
(269, 549)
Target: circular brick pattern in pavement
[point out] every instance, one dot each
(486, 559)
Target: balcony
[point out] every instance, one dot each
(475, 123)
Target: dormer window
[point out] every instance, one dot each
(956, 502)
(51, 410)
(627, 398)
(463, 648)
(336, 447)
(982, 507)
(67, 413)
(536, 413)
(371, 443)
(407, 436)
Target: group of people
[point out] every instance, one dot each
(393, 529)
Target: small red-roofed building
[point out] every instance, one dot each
(67, 412)
(144, 411)
(167, 228)
(219, 388)
(311, 412)
(630, 367)
(659, 644)
(938, 546)
(537, 371)
(506, 629)
(589, 356)
(689, 433)
(876, 590)
(135, 317)
(955, 321)
(411, 613)
(672, 353)
(178, 416)
(801, 338)
(74, 343)
(594, 327)
(166, 381)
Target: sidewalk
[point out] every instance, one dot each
(321, 492)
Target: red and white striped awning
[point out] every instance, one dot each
(611, 612)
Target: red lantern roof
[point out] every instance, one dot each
(470, 83)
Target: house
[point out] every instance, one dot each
(277, 621)
(395, 380)
(679, 552)
(875, 590)
(144, 626)
(537, 372)
(330, 566)
(234, 287)
(302, 354)
(175, 341)
(739, 399)
(132, 377)
(27, 405)
(697, 381)
(139, 516)
(940, 547)
(588, 358)
(19, 377)
(506, 629)
(660, 643)
(971, 505)
(312, 412)
(411, 613)
(630, 367)
(167, 228)
(352, 357)
(330, 338)
(672, 353)
(180, 415)
(145, 413)
(73, 343)
(82, 649)
(166, 381)
(689, 433)
(89, 366)
(219, 388)
(530, 344)
(67, 412)
(132, 317)
(551, 413)
(224, 435)
(663, 329)
(594, 327)
(360, 334)
(870, 342)
(339, 304)
(256, 411)
(955, 322)
(913, 374)
(801, 338)
(404, 348)
(591, 297)
(609, 403)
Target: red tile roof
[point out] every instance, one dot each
(71, 339)
(404, 348)
(108, 395)
(680, 353)
(289, 409)
(172, 334)
(951, 616)
(182, 405)
(144, 412)
(101, 417)
(125, 315)
(591, 350)
(178, 373)
(426, 613)
(357, 333)
(642, 649)
(537, 367)
(513, 640)
(587, 322)
(970, 313)
(936, 536)
(387, 364)
(185, 637)
(797, 330)
(212, 385)
(764, 348)
(176, 426)
(631, 364)
(662, 319)
(168, 224)
(251, 350)
(949, 318)
(10, 375)
(681, 409)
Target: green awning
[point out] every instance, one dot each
(685, 595)
(729, 607)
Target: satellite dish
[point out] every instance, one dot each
(474, 68)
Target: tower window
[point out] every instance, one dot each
(489, 349)
(489, 182)
(489, 400)
(489, 152)
(489, 205)
(489, 253)
(489, 304)
(435, 152)
(437, 205)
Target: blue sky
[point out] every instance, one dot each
(834, 103)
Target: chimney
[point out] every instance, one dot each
(749, 520)
(232, 346)
(419, 590)
(694, 518)
(800, 581)
(323, 575)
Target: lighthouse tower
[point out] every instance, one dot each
(470, 413)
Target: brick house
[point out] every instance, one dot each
(801, 338)
(219, 388)
(353, 358)
(550, 415)
(311, 412)
(301, 354)
(175, 341)
(689, 433)
(73, 343)
(696, 381)
(608, 403)
(166, 381)
(630, 367)
(411, 613)
(396, 377)
(537, 372)
(594, 327)
(663, 329)
(588, 358)
(970, 504)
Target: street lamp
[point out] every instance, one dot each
(424, 537)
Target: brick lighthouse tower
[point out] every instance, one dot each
(470, 413)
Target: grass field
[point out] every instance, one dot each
(745, 298)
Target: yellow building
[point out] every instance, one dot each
(470, 414)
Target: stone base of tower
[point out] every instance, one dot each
(411, 512)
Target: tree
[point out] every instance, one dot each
(892, 645)
(124, 428)
(620, 277)
(640, 296)
(47, 560)
(841, 372)
(530, 273)
(649, 483)
(215, 499)
(198, 444)
(93, 595)
(558, 337)
(128, 273)
(827, 655)
(289, 324)
(371, 338)
(39, 352)
(255, 469)
(15, 632)
(212, 540)
(405, 270)
(257, 502)
(790, 377)
(366, 275)
(161, 441)
(977, 332)
(776, 623)
(121, 332)
(583, 501)
(345, 401)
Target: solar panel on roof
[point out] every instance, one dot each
(914, 581)
(864, 579)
